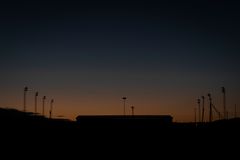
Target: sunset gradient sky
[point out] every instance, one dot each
(87, 55)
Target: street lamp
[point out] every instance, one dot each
(224, 103)
(24, 98)
(36, 95)
(51, 108)
(210, 109)
(124, 107)
(132, 110)
(199, 110)
(43, 103)
(203, 101)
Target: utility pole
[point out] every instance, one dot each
(224, 103)
(203, 101)
(35, 102)
(51, 108)
(199, 110)
(124, 107)
(132, 110)
(210, 107)
(24, 98)
(43, 103)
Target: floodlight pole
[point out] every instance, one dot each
(51, 108)
(210, 107)
(132, 110)
(24, 98)
(124, 107)
(43, 104)
(35, 102)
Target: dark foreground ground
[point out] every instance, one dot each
(43, 136)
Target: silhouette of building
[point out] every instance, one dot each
(124, 121)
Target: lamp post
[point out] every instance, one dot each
(24, 98)
(235, 111)
(224, 103)
(203, 101)
(35, 102)
(43, 104)
(199, 110)
(132, 110)
(210, 107)
(51, 108)
(195, 116)
(124, 107)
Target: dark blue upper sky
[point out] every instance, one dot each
(176, 34)
(168, 39)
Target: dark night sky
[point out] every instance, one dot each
(88, 54)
